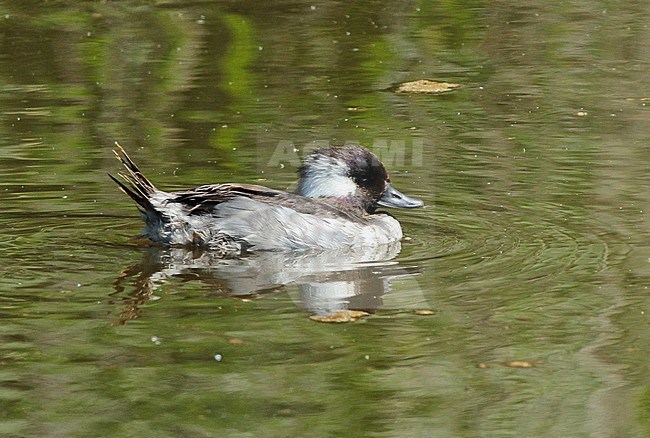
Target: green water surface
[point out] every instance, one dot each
(533, 250)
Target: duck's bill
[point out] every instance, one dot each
(396, 199)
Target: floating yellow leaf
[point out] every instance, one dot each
(340, 316)
(425, 86)
(519, 364)
(424, 312)
(512, 364)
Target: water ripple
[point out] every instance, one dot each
(504, 244)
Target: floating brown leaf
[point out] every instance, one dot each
(519, 364)
(425, 86)
(340, 316)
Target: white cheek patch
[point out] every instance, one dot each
(327, 178)
(330, 186)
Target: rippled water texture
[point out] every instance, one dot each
(517, 305)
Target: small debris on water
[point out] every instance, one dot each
(340, 316)
(218, 357)
(512, 364)
(519, 364)
(156, 340)
(425, 86)
(424, 312)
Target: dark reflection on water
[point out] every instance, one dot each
(327, 281)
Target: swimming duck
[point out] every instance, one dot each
(334, 207)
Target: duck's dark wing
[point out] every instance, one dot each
(205, 198)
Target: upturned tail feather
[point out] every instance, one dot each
(137, 186)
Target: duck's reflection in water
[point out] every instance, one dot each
(327, 281)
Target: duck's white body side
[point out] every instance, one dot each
(245, 223)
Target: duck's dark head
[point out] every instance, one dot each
(351, 174)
